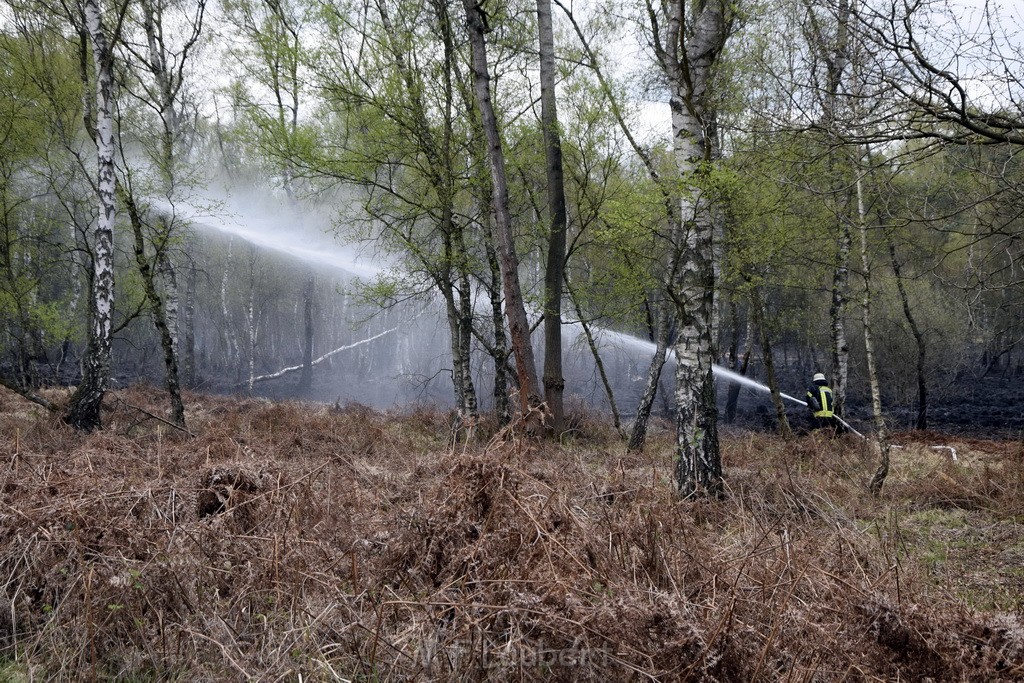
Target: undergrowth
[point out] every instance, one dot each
(285, 541)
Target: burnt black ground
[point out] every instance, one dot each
(983, 407)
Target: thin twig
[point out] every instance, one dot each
(156, 417)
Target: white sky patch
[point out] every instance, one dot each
(981, 42)
(654, 121)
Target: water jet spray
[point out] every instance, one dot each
(725, 373)
(331, 254)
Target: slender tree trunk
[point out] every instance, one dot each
(757, 310)
(251, 317)
(459, 312)
(250, 326)
(508, 261)
(232, 354)
(308, 296)
(693, 40)
(662, 339)
(835, 54)
(638, 434)
(554, 383)
(837, 314)
(741, 367)
(469, 406)
(76, 288)
(500, 347)
(455, 340)
(159, 310)
(878, 479)
(732, 355)
(188, 324)
(164, 299)
(172, 305)
(83, 411)
(459, 265)
(450, 272)
(596, 354)
(24, 347)
(483, 194)
(922, 385)
(831, 55)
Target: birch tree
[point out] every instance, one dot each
(159, 75)
(881, 431)
(828, 35)
(688, 41)
(508, 260)
(921, 421)
(660, 313)
(83, 411)
(554, 383)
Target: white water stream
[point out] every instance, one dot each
(264, 229)
(719, 371)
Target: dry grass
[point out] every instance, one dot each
(290, 541)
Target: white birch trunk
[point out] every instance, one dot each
(250, 326)
(153, 22)
(171, 301)
(230, 344)
(876, 395)
(692, 45)
(188, 316)
(837, 313)
(835, 55)
(84, 407)
(251, 318)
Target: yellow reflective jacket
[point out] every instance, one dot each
(820, 400)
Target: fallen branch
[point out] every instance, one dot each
(952, 451)
(156, 417)
(35, 398)
(295, 368)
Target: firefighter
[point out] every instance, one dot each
(821, 404)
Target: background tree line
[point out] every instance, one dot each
(836, 188)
